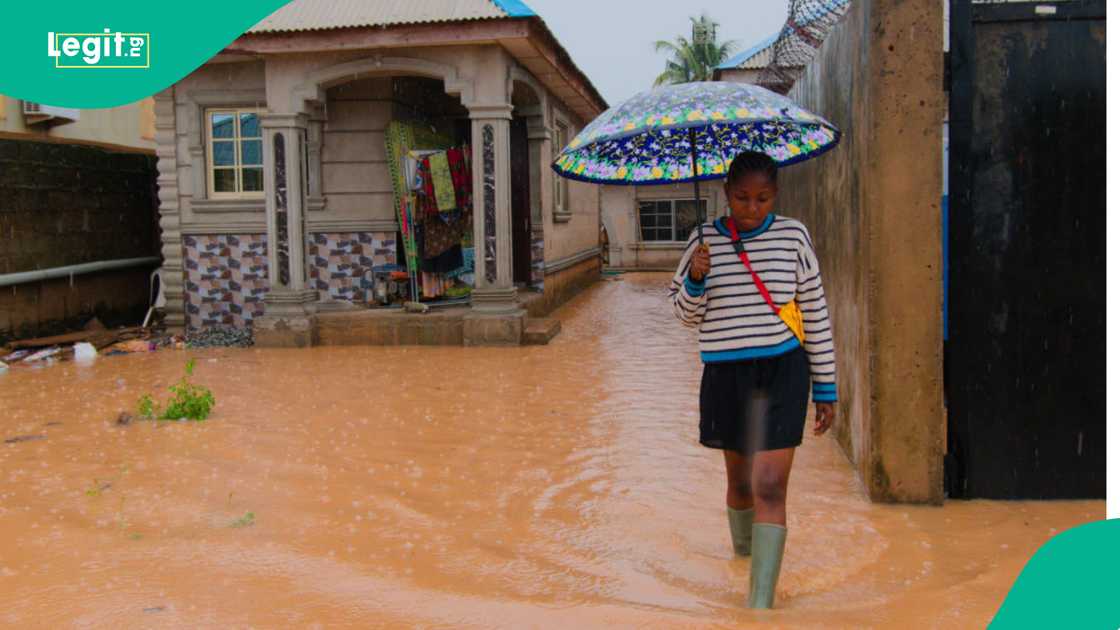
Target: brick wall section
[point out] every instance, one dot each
(64, 204)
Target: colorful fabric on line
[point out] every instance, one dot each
(441, 182)
(440, 236)
(459, 162)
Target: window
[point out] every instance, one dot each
(234, 152)
(561, 137)
(670, 219)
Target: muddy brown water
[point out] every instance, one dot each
(555, 486)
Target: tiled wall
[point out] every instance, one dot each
(226, 279)
(338, 262)
(538, 264)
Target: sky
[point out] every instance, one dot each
(612, 40)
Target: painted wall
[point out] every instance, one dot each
(577, 232)
(621, 220)
(130, 125)
(872, 207)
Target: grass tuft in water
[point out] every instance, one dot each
(188, 401)
(244, 521)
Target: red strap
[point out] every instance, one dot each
(739, 249)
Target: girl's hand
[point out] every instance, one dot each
(826, 413)
(701, 263)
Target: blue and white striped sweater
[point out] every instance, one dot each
(735, 322)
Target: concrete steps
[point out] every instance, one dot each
(539, 331)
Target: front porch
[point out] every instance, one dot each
(339, 324)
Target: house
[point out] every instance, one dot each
(750, 66)
(276, 187)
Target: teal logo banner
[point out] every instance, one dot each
(83, 54)
(1069, 583)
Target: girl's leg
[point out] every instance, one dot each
(769, 479)
(739, 493)
(740, 515)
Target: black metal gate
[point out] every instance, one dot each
(1025, 364)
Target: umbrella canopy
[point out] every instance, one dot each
(650, 138)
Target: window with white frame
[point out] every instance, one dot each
(669, 220)
(234, 153)
(562, 135)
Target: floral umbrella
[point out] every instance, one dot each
(652, 137)
(692, 132)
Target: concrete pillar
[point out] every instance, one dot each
(497, 318)
(289, 319)
(540, 177)
(872, 206)
(171, 235)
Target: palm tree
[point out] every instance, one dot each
(694, 60)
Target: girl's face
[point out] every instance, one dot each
(751, 197)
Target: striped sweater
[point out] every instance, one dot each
(735, 322)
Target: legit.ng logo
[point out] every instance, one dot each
(105, 50)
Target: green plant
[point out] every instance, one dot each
(695, 58)
(147, 407)
(244, 521)
(188, 400)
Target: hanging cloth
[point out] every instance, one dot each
(459, 162)
(441, 182)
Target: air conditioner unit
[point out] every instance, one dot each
(36, 113)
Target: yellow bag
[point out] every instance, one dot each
(791, 315)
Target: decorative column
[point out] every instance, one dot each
(493, 235)
(289, 319)
(171, 235)
(497, 317)
(540, 177)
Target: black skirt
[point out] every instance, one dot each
(755, 405)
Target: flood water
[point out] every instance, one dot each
(553, 486)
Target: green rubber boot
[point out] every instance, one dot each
(767, 546)
(740, 522)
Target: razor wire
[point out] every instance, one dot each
(805, 29)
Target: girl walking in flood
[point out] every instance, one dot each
(753, 287)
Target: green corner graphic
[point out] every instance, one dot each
(120, 52)
(1071, 582)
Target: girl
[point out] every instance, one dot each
(755, 388)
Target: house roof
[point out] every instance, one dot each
(314, 15)
(307, 26)
(754, 58)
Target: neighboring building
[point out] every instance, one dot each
(128, 126)
(647, 227)
(314, 87)
(77, 187)
(750, 66)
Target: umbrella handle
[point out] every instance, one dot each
(696, 184)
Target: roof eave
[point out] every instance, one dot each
(530, 30)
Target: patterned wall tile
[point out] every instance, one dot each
(226, 279)
(339, 261)
(538, 264)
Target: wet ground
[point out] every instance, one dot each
(554, 486)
